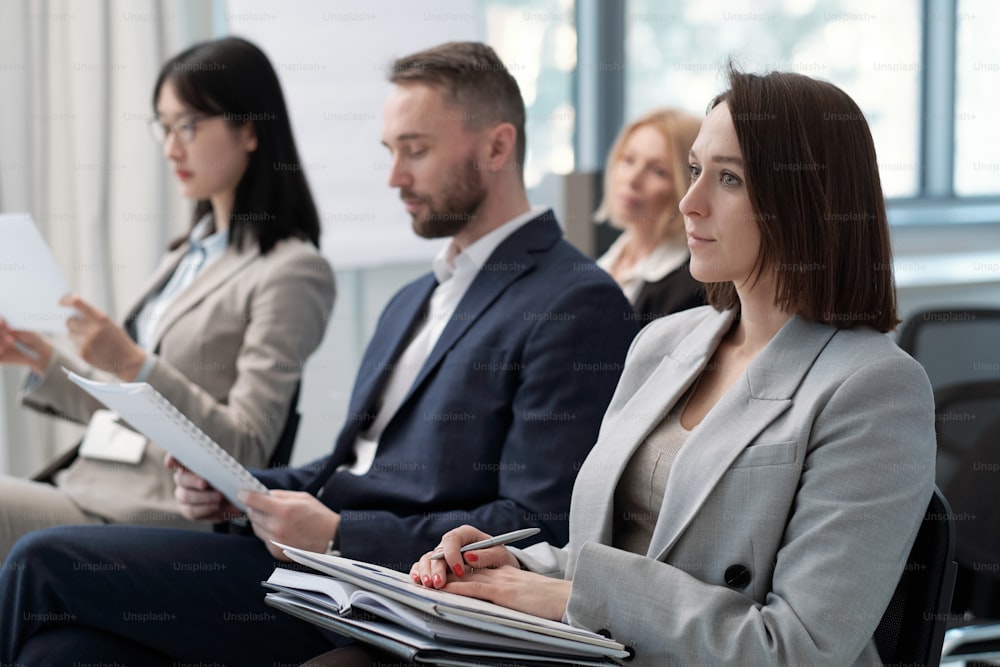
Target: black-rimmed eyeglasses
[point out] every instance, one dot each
(184, 129)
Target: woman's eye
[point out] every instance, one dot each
(694, 171)
(729, 179)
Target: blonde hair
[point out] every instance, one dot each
(679, 130)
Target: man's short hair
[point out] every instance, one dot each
(474, 79)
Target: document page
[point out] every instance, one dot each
(31, 282)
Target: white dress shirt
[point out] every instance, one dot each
(664, 258)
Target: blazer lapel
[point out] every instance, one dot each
(228, 265)
(156, 282)
(514, 255)
(759, 397)
(592, 513)
(391, 345)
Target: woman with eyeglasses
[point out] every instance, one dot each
(222, 328)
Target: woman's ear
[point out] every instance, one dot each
(248, 134)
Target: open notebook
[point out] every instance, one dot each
(384, 608)
(149, 413)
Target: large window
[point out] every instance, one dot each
(536, 39)
(676, 53)
(977, 75)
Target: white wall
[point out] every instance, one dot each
(333, 59)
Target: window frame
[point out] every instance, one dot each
(600, 101)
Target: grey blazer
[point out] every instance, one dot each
(788, 513)
(229, 353)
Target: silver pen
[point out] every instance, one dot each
(506, 538)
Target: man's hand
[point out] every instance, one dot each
(100, 342)
(197, 499)
(293, 518)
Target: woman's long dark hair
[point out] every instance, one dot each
(233, 78)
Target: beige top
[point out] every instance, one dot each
(640, 490)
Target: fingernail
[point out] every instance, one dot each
(427, 580)
(415, 577)
(457, 569)
(472, 558)
(437, 581)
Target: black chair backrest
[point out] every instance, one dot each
(911, 631)
(954, 345)
(967, 422)
(283, 452)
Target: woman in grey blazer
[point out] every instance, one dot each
(223, 327)
(766, 461)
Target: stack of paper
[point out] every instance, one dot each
(385, 608)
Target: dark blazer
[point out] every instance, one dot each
(501, 415)
(674, 292)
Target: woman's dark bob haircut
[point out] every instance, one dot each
(813, 182)
(233, 78)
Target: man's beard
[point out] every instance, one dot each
(460, 204)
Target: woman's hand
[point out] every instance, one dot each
(490, 574)
(434, 573)
(515, 588)
(100, 342)
(24, 348)
(196, 499)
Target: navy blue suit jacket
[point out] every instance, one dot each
(501, 415)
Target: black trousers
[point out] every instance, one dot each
(145, 596)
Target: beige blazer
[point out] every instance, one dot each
(788, 513)
(229, 353)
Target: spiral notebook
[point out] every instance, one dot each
(149, 413)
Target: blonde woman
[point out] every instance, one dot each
(645, 179)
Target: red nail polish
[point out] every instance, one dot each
(471, 557)
(457, 569)
(437, 581)
(427, 580)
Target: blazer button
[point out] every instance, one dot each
(738, 576)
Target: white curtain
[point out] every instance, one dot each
(76, 81)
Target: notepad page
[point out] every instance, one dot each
(149, 413)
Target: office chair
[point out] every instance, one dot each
(283, 452)
(912, 628)
(954, 345)
(979, 644)
(968, 432)
(279, 458)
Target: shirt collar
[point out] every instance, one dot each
(447, 262)
(664, 258)
(212, 244)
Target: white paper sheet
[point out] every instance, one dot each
(31, 282)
